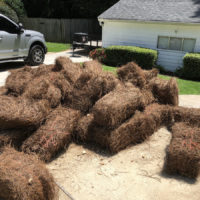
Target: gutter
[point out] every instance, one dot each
(102, 20)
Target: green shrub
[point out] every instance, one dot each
(161, 69)
(120, 55)
(7, 11)
(191, 66)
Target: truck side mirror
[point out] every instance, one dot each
(21, 28)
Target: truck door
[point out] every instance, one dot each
(9, 39)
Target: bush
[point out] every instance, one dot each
(120, 55)
(98, 54)
(191, 66)
(7, 11)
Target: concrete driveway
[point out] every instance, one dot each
(79, 56)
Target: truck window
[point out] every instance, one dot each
(7, 26)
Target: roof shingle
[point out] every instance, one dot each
(184, 11)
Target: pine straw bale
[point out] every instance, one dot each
(3, 90)
(137, 129)
(14, 137)
(109, 79)
(183, 153)
(150, 74)
(148, 96)
(131, 72)
(93, 66)
(24, 177)
(183, 157)
(41, 88)
(165, 91)
(184, 130)
(70, 70)
(134, 131)
(54, 135)
(59, 81)
(87, 90)
(110, 82)
(42, 70)
(21, 113)
(117, 106)
(189, 115)
(18, 80)
(83, 127)
(140, 127)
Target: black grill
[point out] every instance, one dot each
(80, 37)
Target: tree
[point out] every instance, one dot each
(12, 9)
(7, 11)
(67, 8)
(17, 6)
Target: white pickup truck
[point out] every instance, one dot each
(18, 43)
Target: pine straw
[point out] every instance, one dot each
(110, 82)
(21, 113)
(93, 66)
(18, 80)
(183, 153)
(41, 88)
(109, 79)
(136, 130)
(42, 70)
(131, 72)
(189, 115)
(3, 90)
(87, 90)
(70, 70)
(150, 74)
(148, 96)
(14, 137)
(166, 92)
(83, 128)
(54, 135)
(24, 177)
(117, 106)
(59, 81)
(140, 127)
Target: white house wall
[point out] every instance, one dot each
(146, 35)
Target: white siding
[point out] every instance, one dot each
(146, 35)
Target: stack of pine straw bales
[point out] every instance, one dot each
(44, 109)
(131, 112)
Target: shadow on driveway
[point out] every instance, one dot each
(6, 66)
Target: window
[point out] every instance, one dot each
(7, 26)
(178, 44)
(188, 45)
(175, 44)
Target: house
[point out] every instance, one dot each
(170, 26)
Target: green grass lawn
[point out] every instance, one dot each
(185, 86)
(57, 47)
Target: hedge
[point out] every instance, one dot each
(120, 55)
(191, 66)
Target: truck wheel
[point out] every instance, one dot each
(36, 55)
